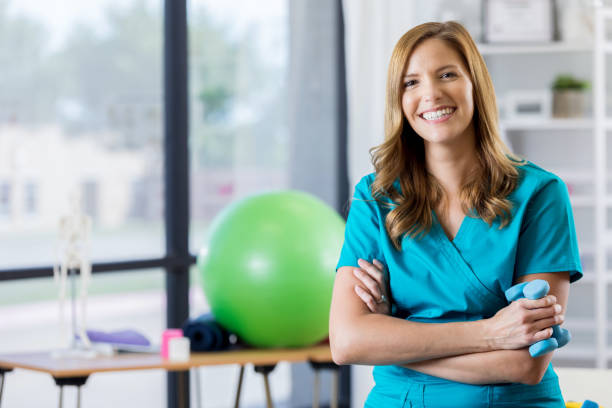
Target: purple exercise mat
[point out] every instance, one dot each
(128, 337)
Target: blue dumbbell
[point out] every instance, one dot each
(537, 289)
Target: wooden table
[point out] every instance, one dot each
(75, 371)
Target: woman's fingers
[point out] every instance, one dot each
(538, 303)
(380, 266)
(525, 322)
(543, 334)
(544, 312)
(366, 297)
(368, 282)
(372, 289)
(551, 321)
(372, 270)
(539, 315)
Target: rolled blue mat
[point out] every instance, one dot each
(205, 334)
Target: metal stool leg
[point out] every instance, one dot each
(265, 370)
(61, 396)
(335, 388)
(317, 367)
(316, 397)
(267, 386)
(78, 396)
(239, 389)
(198, 386)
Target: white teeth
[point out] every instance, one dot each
(438, 114)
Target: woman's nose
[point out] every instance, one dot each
(431, 91)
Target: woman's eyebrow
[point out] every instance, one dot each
(437, 70)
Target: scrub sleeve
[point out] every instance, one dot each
(362, 232)
(547, 241)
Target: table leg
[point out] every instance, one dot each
(182, 379)
(3, 371)
(239, 389)
(265, 370)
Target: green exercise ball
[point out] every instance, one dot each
(268, 268)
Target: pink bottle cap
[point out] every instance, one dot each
(166, 336)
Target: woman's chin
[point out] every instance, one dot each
(449, 136)
(440, 138)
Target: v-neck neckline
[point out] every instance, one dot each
(460, 232)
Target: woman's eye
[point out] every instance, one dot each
(409, 84)
(449, 75)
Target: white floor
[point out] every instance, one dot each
(579, 384)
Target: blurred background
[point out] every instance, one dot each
(281, 94)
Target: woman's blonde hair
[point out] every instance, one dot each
(402, 154)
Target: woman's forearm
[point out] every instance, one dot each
(377, 339)
(499, 366)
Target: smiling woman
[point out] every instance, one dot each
(449, 220)
(440, 98)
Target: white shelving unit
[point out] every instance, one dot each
(548, 124)
(553, 124)
(594, 174)
(552, 48)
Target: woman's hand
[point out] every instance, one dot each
(373, 289)
(524, 322)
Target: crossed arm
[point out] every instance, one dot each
(469, 352)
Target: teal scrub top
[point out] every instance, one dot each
(434, 279)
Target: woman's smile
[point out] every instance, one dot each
(434, 117)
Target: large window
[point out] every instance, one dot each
(80, 113)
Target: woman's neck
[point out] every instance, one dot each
(451, 165)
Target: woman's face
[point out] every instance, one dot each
(437, 98)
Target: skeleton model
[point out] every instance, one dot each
(74, 232)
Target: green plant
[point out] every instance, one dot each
(567, 82)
